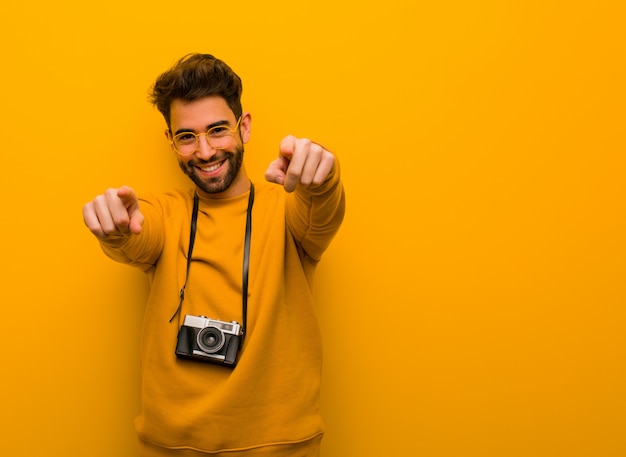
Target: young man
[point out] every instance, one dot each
(231, 348)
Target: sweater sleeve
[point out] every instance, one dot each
(142, 250)
(314, 214)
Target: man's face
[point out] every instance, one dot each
(215, 171)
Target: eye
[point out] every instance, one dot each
(185, 138)
(220, 130)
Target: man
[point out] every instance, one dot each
(232, 257)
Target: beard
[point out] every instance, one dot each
(233, 162)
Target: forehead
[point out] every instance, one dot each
(198, 114)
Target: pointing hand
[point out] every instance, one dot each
(116, 212)
(300, 161)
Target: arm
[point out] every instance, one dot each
(316, 204)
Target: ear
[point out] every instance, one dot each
(169, 139)
(245, 126)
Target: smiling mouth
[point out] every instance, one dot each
(210, 167)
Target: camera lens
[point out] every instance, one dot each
(210, 339)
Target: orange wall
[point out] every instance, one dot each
(473, 303)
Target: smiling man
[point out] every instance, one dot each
(231, 347)
(213, 170)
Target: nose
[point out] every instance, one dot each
(204, 151)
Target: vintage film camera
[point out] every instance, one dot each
(209, 340)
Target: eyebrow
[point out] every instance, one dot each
(210, 126)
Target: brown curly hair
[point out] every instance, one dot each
(196, 76)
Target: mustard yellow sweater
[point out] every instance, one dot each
(272, 396)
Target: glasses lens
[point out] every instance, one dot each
(185, 143)
(219, 137)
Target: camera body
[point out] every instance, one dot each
(209, 340)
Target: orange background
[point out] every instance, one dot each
(473, 302)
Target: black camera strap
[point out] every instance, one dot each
(246, 257)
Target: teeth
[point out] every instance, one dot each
(211, 168)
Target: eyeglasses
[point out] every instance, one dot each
(218, 137)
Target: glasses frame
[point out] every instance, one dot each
(231, 132)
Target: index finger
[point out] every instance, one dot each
(127, 195)
(287, 146)
(298, 157)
